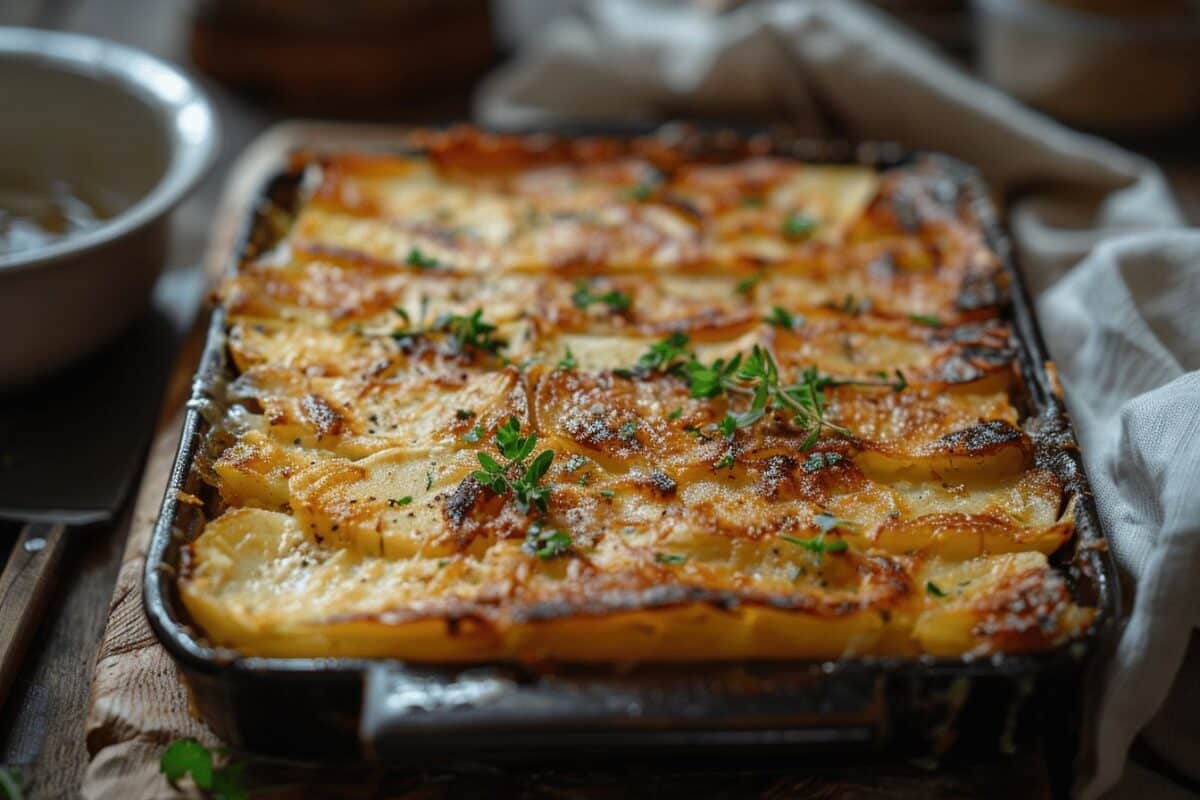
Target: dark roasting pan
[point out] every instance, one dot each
(348, 709)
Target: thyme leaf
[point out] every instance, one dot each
(516, 477)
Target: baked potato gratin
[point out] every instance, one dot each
(524, 398)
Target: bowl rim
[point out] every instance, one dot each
(188, 117)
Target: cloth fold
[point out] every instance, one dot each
(1098, 235)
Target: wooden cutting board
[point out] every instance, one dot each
(138, 704)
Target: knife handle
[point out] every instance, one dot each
(25, 586)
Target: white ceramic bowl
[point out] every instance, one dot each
(132, 128)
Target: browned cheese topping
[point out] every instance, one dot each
(521, 398)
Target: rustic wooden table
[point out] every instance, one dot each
(42, 723)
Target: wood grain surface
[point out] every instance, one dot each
(25, 588)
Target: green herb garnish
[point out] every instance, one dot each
(609, 493)
(670, 558)
(568, 361)
(746, 285)
(733, 422)
(418, 259)
(575, 462)
(12, 783)
(641, 191)
(463, 331)
(516, 476)
(828, 522)
(464, 413)
(676, 413)
(928, 320)
(818, 544)
(583, 297)
(933, 589)
(758, 376)
(627, 432)
(474, 435)
(820, 460)
(470, 331)
(544, 542)
(849, 305)
(782, 318)
(185, 757)
(400, 501)
(664, 356)
(799, 225)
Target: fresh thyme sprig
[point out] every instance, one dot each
(757, 376)
(515, 476)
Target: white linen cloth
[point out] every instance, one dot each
(1115, 275)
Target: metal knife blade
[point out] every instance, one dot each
(70, 448)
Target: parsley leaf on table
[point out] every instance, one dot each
(12, 783)
(185, 757)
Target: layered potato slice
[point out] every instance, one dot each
(259, 581)
(520, 398)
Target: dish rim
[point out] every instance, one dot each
(1031, 357)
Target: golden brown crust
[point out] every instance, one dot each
(355, 523)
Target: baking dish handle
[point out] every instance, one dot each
(412, 713)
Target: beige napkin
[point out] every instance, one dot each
(1118, 309)
(138, 704)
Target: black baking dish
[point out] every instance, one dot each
(344, 709)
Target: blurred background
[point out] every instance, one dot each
(1127, 69)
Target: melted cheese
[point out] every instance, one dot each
(916, 522)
